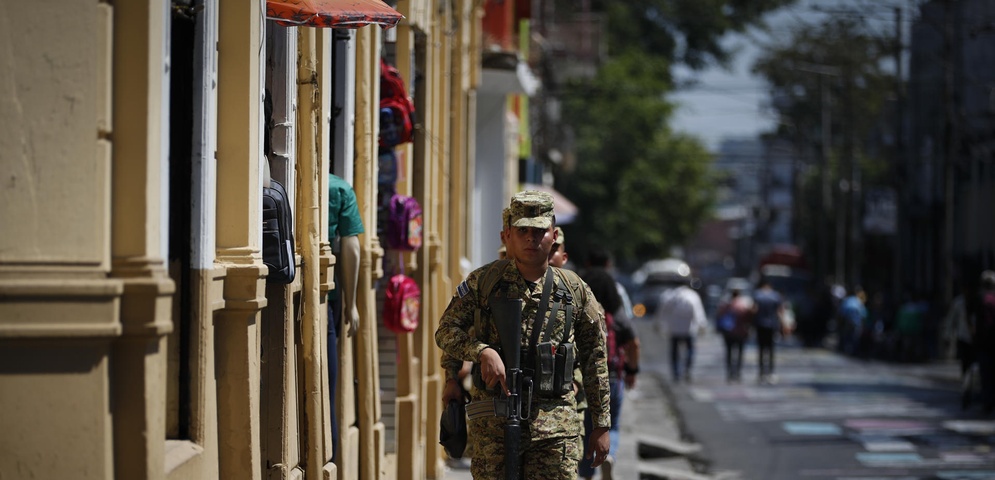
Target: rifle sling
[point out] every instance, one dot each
(558, 299)
(537, 323)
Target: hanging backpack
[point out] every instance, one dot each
(278, 234)
(404, 223)
(402, 304)
(387, 168)
(397, 112)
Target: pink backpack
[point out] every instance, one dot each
(402, 304)
(404, 223)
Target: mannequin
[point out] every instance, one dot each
(344, 225)
(348, 276)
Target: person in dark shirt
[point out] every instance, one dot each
(768, 310)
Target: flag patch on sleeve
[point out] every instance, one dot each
(462, 289)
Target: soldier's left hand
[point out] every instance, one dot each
(598, 446)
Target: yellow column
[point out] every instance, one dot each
(138, 248)
(312, 153)
(439, 287)
(239, 203)
(371, 429)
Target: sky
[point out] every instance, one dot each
(731, 103)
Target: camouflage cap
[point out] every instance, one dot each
(559, 236)
(505, 217)
(531, 209)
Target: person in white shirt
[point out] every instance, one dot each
(681, 311)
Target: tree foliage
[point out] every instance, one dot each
(640, 188)
(841, 56)
(837, 71)
(682, 31)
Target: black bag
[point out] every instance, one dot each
(452, 428)
(278, 234)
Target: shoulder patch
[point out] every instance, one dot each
(462, 289)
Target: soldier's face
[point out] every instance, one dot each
(558, 257)
(530, 245)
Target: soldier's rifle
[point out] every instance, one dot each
(508, 321)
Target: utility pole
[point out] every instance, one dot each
(826, 72)
(951, 143)
(898, 167)
(824, 179)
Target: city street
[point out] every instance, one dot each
(828, 417)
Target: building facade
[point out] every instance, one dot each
(139, 337)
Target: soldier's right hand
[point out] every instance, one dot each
(492, 369)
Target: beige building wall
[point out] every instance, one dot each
(118, 361)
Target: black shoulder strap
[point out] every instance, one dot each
(547, 289)
(564, 298)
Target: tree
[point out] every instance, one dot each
(639, 188)
(680, 31)
(836, 72)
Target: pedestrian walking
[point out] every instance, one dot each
(853, 315)
(767, 313)
(733, 320)
(623, 353)
(561, 307)
(684, 316)
(958, 327)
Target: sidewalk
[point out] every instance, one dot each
(648, 426)
(646, 419)
(651, 426)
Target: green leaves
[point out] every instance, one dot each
(640, 188)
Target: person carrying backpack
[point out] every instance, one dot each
(574, 321)
(767, 312)
(733, 320)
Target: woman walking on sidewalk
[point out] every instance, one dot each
(733, 320)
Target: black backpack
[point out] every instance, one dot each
(278, 234)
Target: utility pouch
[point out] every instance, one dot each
(563, 379)
(545, 363)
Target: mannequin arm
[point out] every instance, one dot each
(348, 263)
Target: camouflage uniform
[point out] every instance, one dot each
(549, 437)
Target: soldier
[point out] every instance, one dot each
(558, 254)
(548, 441)
(457, 370)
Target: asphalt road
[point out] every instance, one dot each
(828, 416)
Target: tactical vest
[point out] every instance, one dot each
(550, 366)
